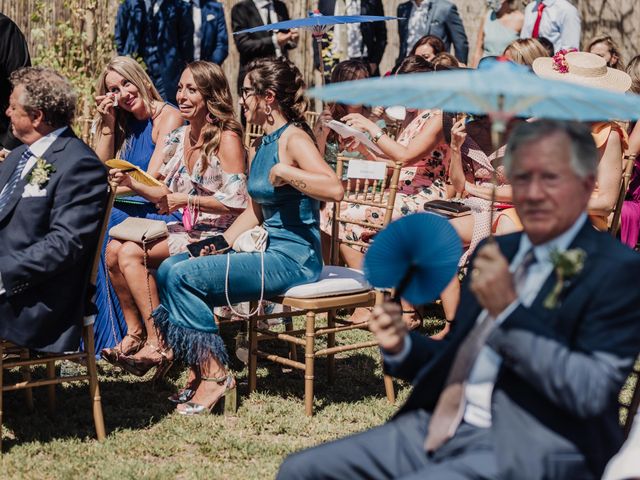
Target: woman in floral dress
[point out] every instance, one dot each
(424, 154)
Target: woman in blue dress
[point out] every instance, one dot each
(132, 122)
(287, 181)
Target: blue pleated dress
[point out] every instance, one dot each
(190, 288)
(109, 326)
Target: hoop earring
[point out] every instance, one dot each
(268, 110)
(210, 118)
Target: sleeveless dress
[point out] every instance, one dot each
(109, 326)
(497, 37)
(189, 290)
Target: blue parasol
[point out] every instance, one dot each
(417, 255)
(499, 89)
(317, 23)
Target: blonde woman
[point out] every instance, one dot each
(204, 166)
(605, 47)
(131, 123)
(525, 50)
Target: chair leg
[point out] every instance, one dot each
(309, 358)
(253, 354)
(94, 387)
(288, 326)
(26, 377)
(331, 342)
(51, 389)
(389, 389)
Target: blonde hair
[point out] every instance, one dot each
(131, 70)
(633, 69)
(212, 84)
(525, 50)
(613, 50)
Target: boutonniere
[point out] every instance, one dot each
(40, 173)
(567, 265)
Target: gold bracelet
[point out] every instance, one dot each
(106, 131)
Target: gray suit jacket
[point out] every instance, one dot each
(444, 22)
(554, 404)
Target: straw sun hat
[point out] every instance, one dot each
(582, 68)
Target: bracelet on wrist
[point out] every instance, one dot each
(106, 131)
(378, 136)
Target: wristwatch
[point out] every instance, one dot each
(378, 135)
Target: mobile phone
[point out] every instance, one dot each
(218, 242)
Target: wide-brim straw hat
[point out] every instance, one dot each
(583, 68)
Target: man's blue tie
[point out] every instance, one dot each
(12, 183)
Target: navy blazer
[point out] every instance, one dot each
(444, 22)
(374, 34)
(47, 244)
(554, 404)
(214, 45)
(244, 14)
(164, 41)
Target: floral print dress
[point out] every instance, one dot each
(230, 189)
(423, 181)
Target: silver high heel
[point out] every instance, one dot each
(228, 399)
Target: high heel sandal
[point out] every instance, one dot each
(139, 368)
(415, 324)
(112, 355)
(228, 400)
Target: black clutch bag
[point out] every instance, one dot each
(448, 208)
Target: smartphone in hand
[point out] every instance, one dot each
(217, 242)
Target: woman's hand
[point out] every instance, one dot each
(275, 175)
(360, 122)
(172, 202)
(119, 178)
(458, 135)
(106, 105)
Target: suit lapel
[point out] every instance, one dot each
(50, 155)
(256, 19)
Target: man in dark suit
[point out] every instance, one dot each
(368, 41)
(431, 17)
(254, 13)
(525, 385)
(53, 191)
(13, 55)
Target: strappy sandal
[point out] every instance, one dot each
(139, 368)
(228, 400)
(112, 355)
(415, 324)
(185, 394)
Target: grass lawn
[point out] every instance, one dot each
(146, 439)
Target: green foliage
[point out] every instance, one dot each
(78, 45)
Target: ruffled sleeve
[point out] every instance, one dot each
(601, 131)
(171, 159)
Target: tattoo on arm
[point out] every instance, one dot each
(299, 184)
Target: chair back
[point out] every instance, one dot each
(252, 132)
(629, 161)
(369, 184)
(634, 403)
(312, 118)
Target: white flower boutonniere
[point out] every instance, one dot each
(40, 173)
(567, 265)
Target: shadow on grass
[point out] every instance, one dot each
(127, 403)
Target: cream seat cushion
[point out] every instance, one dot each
(333, 281)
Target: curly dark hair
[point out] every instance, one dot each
(283, 78)
(47, 91)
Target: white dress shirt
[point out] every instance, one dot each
(268, 15)
(560, 23)
(38, 149)
(484, 372)
(196, 14)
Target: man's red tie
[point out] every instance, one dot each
(536, 26)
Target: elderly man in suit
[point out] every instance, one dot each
(254, 13)
(431, 17)
(53, 191)
(525, 385)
